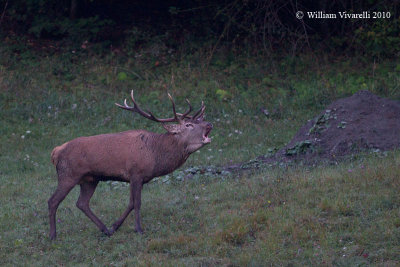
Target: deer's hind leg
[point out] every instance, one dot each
(63, 188)
(87, 190)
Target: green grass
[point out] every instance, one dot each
(330, 215)
(343, 215)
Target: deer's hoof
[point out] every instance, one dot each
(139, 231)
(108, 232)
(114, 228)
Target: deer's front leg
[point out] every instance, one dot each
(137, 204)
(135, 190)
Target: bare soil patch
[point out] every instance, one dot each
(361, 122)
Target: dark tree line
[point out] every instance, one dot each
(263, 24)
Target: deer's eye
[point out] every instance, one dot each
(188, 125)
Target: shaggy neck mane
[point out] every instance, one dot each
(170, 153)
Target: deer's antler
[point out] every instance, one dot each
(177, 116)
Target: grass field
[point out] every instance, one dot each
(346, 214)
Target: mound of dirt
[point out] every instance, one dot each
(350, 125)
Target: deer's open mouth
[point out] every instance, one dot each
(207, 139)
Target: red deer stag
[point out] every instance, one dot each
(134, 156)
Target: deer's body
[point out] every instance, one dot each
(134, 156)
(118, 156)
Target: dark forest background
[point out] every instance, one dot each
(259, 25)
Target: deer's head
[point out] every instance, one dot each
(190, 130)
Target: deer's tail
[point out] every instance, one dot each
(56, 152)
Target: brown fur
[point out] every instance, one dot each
(55, 152)
(135, 156)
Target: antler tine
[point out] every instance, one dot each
(125, 106)
(184, 115)
(189, 110)
(173, 107)
(200, 112)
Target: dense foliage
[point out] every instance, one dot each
(260, 24)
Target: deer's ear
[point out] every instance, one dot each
(172, 128)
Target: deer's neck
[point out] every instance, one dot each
(169, 153)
